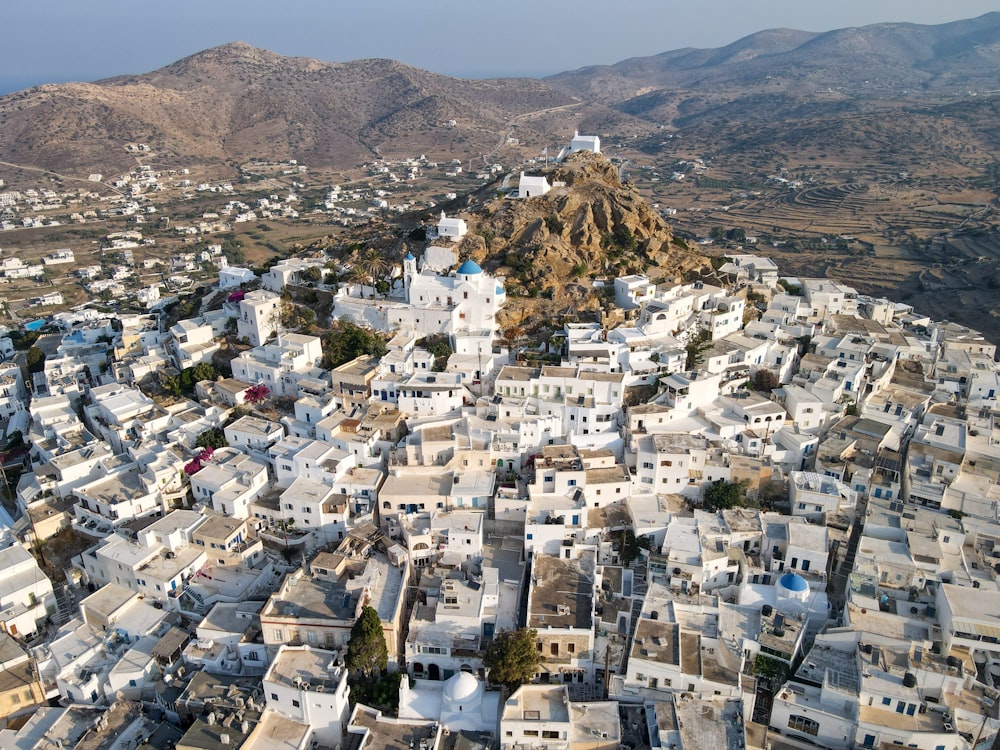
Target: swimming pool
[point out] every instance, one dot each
(35, 324)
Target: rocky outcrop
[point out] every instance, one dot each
(588, 225)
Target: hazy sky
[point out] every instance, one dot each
(44, 41)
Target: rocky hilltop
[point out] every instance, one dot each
(588, 226)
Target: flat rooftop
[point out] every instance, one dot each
(295, 665)
(540, 703)
(389, 735)
(254, 426)
(658, 641)
(277, 732)
(302, 596)
(561, 594)
(709, 723)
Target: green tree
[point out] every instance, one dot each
(374, 266)
(191, 376)
(35, 359)
(696, 347)
(232, 248)
(212, 438)
(770, 669)
(438, 346)
(629, 546)
(366, 651)
(382, 693)
(313, 274)
(789, 287)
(347, 341)
(721, 495)
(172, 385)
(512, 657)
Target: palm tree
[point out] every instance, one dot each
(373, 265)
(356, 275)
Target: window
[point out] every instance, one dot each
(295, 703)
(548, 734)
(274, 696)
(530, 732)
(803, 724)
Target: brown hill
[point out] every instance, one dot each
(589, 225)
(235, 102)
(787, 67)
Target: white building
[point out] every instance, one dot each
(303, 685)
(812, 495)
(259, 316)
(281, 364)
(230, 277)
(26, 596)
(585, 143)
(230, 482)
(631, 291)
(193, 343)
(532, 186)
(451, 229)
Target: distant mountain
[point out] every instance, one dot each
(234, 102)
(891, 60)
(231, 103)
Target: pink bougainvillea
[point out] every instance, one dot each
(192, 467)
(257, 394)
(236, 296)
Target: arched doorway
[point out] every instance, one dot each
(433, 672)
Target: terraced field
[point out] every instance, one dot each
(932, 242)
